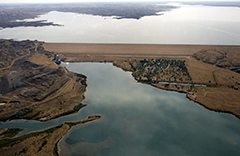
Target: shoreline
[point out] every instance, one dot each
(46, 140)
(199, 103)
(124, 56)
(34, 87)
(215, 78)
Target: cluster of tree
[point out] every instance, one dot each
(160, 70)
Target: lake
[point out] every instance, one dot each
(190, 24)
(139, 119)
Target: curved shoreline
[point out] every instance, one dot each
(49, 145)
(33, 87)
(203, 95)
(111, 57)
(199, 103)
(200, 72)
(215, 110)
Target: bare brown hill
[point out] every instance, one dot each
(222, 57)
(33, 87)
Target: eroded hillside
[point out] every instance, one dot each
(222, 57)
(34, 87)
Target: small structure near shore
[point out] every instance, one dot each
(56, 59)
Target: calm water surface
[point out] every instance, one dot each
(187, 25)
(139, 119)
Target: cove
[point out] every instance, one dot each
(139, 119)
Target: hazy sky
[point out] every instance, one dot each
(61, 1)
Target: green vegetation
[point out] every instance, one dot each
(55, 151)
(11, 142)
(154, 70)
(43, 143)
(24, 150)
(83, 82)
(166, 85)
(75, 110)
(12, 132)
(90, 118)
(214, 77)
(81, 76)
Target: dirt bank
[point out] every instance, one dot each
(32, 86)
(219, 79)
(39, 143)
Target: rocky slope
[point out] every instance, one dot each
(33, 87)
(223, 57)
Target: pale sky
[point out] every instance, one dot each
(62, 1)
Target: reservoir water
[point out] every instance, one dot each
(138, 119)
(189, 24)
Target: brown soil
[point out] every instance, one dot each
(39, 143)
(222, 93)
(34, 87)
(200, 72)
(178, 88)
(125, 49)
(220, 99)
(219, 80)
(222, 57)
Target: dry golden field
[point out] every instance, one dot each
(126, 49)
(222, 92)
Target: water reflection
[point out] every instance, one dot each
(186, 25)
(141, 120)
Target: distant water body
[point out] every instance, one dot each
(189, 24)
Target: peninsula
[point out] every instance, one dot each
(34, 87)
(208, 74)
